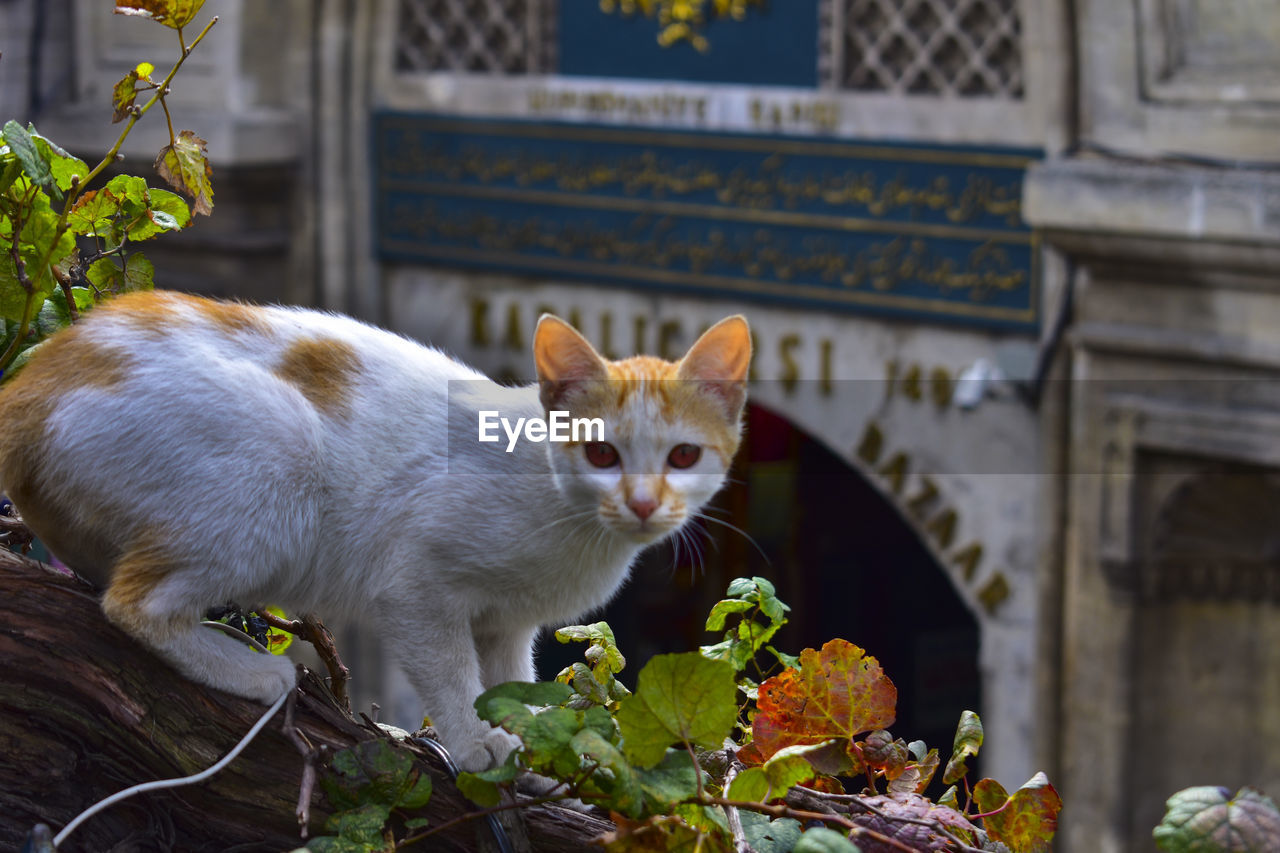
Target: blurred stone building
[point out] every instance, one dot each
(1011, 265)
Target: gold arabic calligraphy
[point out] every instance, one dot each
(658, 242)
(771, 186)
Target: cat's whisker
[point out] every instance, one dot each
(573, 516)
(697, 553)
(737, 530)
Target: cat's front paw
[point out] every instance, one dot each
(266, 679)
(536, 785)
(489, 750)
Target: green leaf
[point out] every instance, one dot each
(722, 609)
(484, 788)
(769, 836)
(374, 773)
(619, 781)
(93, 214)
(417, 795)
(130, 189)
(543, 694)
(1210, 820)
(548, 740)
(823, 840)
(949, 798)
(600, 721)
(34, 162)
(683, 698)
(62, 164)
(13, 299)
(967, 742)
(748, 599)
(772, 780)
(708, 819)
(483, 792)
(185, 166)
(1026, 821)
(42, 246)
(175, 14)
(169, 205)
(125, 93)
(10, 169)
(52, 316)
(593, 633)
(138, 274)
(360, 825)
(594, 681)
(673, 779)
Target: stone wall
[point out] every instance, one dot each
(1168, 214)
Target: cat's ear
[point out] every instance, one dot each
(564, 359)
(721, 358)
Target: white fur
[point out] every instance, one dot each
(392, 509)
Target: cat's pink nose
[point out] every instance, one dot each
(642, 507)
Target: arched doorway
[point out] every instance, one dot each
(840, 555)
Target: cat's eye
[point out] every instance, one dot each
(601, 454)
(684, 455)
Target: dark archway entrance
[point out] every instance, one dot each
(841, 556)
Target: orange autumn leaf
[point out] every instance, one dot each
(836, 693)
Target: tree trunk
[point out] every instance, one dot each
(85, 712)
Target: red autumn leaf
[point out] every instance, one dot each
(750, 755)
(838, 692)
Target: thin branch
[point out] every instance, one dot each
(311, 757)
(65, 283)
(479, 813)
(314, 632)
(133, 118)
(173, 140)
(740, 842)
(25, 282)
(13, 532)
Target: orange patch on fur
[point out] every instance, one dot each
(157, 310)
(233, 316)
(146, 563)
(323, 369)
(64, 363)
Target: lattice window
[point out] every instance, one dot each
(484, 36)
(966, 48)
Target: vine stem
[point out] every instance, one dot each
(74, 192)
(479, 813)
(134, 116)
(28, 307)
(314, 632)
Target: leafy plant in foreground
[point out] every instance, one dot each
(65, 247)
(678, 767)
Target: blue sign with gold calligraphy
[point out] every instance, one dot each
(926, 232)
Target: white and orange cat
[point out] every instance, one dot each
(184, 453)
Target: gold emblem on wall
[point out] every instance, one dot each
(681, 20)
